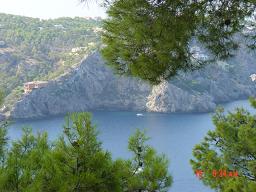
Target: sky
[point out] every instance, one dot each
(50, 9)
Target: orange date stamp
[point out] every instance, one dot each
(222, 173)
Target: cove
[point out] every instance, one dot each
(172, 134)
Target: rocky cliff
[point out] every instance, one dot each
(93, 86)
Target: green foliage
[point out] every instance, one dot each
(3, 143)
(14, 96)
(232, 147)
(24, 162)
(1, 97)
(42, 49)
(151, 39)
(149, 170)
(81, 162)
(77, 162)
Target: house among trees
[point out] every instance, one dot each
(59, 26)
(97, 29)
(29, 86)
(77, 49)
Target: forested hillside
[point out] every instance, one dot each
(34, 49)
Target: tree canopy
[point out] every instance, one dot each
(152, 39)
(77, 162)
(230, 148)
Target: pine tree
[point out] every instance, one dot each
(152, 40)
(80, 160)
(23, 162)
(3, 150)
(77, 162)
(229, 150)
(148, 171)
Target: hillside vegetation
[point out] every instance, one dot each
(34, 49)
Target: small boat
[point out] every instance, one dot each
(253, 77)
(139, 114)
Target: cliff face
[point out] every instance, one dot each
(167, 97)
(92, 86)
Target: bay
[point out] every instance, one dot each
(172, 134)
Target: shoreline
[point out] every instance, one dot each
(4, 117)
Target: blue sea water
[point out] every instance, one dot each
(172, 134)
